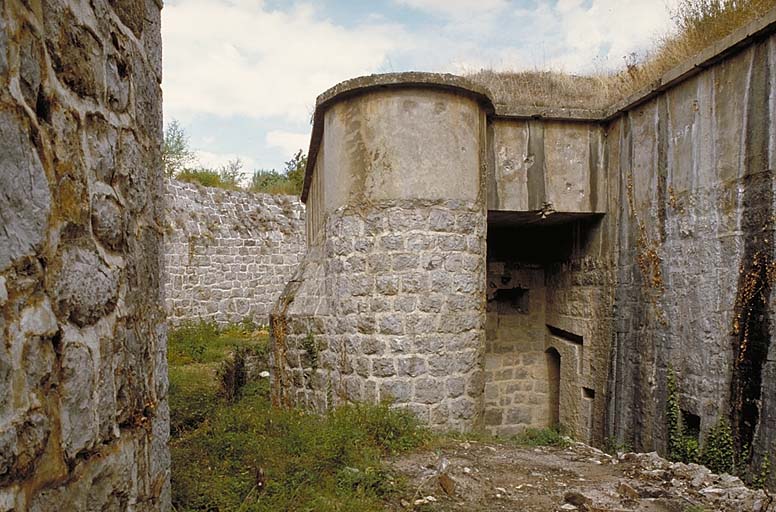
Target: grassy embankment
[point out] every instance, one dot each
(241, 454)
(232, 451)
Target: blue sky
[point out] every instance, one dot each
(241, 76)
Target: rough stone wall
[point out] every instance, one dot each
(579, 318)
(550, 291)
(696, 254)
(228, 254)
(84, 419)
(389, 307)
(516, 381)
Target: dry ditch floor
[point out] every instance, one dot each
(475, 476)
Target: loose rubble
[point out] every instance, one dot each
(481, 476)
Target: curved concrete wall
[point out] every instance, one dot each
(405, 144)
(389, 302)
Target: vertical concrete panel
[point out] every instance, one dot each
(512, 160)
(567, 166)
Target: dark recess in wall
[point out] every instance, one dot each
(752, 328)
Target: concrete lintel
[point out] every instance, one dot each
(504, 111)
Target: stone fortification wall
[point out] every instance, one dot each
(622, 245)
(696, 255)
(84, 419)
(228, 254)
(390, 307)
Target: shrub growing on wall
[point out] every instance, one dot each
(717, 453)
(682, 446)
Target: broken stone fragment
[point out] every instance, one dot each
(577, 499)
(625, 490)
(447, 484)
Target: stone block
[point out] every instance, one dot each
(412, 366)
(429, 391)
(397, 390)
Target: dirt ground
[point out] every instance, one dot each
(472, 476)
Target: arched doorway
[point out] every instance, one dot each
(553, 378)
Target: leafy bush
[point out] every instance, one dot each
(717, 452)
(272, 182)
(207, 178)
(289, 182)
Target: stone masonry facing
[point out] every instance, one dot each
(84, 420)
(228, 254)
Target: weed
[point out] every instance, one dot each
(613, 447)
(306, 461)
(542, 437)
(232, 450)
(761, 479)
(206, 342)
(233, 374)
(311, 347)
(192, 397)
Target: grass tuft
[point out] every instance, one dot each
(542, 437)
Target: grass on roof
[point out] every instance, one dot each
(698, 24)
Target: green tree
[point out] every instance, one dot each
(232, 174)
(295, 169)
(289, 181)
(177, 155)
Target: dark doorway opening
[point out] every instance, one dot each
(553, 377)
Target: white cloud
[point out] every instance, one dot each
(236, 57)
(570, 35)
(289, 142)
(457, 8)
(606, 29)
(213, 160)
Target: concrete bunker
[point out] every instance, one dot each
(498, 266)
